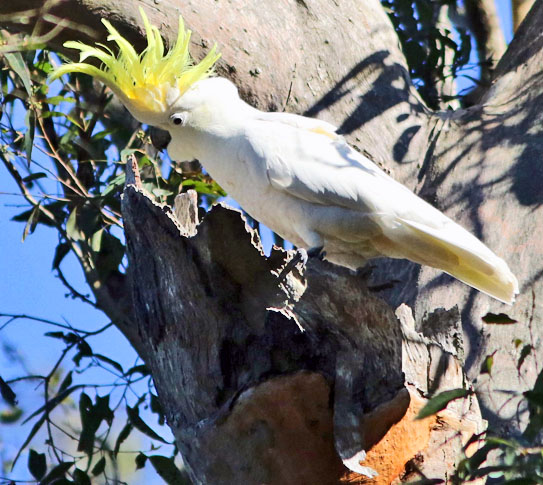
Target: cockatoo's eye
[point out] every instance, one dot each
(178, 119)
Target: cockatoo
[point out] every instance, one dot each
(292, 173)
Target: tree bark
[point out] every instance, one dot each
(484, 22)
(219, 360)
(284, 382)
(483, 169)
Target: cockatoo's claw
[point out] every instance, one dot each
(299, 257)
(317, 252)
(365, 271)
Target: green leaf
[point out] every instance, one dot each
(440, 402)
(204, 188)
(167, 470)
(61, 252)
(57, 208)
(103, 409)
(122, 437)
(58, 335)
(11, 415)
(125, 154)
(99, 467)
(161, 192)
(91, 418)
(114, 185)
(140, 425)
(110, 254)
(61, 114)
(96, 240)
(7, 394)
(84, 350)
(56, 473)
(103, 134)
(54, 402)
(480, 455)
(89, 424)
(18, 65)
(109, 361)
(499, 319)
(72, 229)
(33, 431)
(141, 459)
(66, 383)
(495, 440)
(486, 366)
(55, 100)
(81, 478)
(34, 176)
(89, 219)
(32, 221)
(141, 369)
(37, 464)
(30, 123)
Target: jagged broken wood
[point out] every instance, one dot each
(276, 381)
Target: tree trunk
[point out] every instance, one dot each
(270, 382)
(520, 10)
(483, 168)
(284, 382)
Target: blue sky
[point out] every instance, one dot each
(28, 286)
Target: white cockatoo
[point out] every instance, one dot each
(292, 173)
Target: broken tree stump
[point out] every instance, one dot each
(270, 381)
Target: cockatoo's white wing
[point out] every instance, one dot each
(297, 121)
(322, 170)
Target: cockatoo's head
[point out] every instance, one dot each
(153, 85)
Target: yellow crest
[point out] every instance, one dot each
(142, 81)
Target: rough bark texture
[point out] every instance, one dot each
(201, 302)
(265, 381)
(483, 168)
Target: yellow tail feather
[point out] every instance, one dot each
(463, 256)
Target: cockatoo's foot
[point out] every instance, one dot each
(317, 252)
(300, 257)
(365, 271)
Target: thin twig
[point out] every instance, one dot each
(72, 290)
(86, 333)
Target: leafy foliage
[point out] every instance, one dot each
(65, 146)
(513, 461)
(440, 402)
(434, 52)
